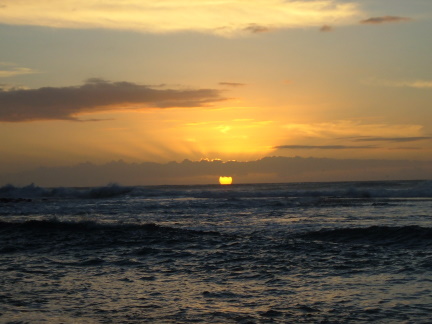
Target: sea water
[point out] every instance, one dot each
(347, 252)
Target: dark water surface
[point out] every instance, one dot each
(270, 253)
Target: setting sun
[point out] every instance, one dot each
(225, 180)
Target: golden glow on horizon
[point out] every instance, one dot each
(178, 134)
(224, 133)
(225, 180)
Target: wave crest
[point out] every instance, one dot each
(32, 191)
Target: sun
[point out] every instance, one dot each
(225, 180)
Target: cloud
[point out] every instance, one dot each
(323, 147)
(232, 84)
(405, 148)
(95, 95)
(13, 71)
(10, 87)
(417, 84)
(256, 29)
(226, 18)
(384, 19)
(326, 28)
(391, 139)
(342, 129)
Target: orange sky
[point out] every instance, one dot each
(235, 80)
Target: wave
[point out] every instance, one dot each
(52, 234)
(384, 235)
(357, 190)
(53, 224)
(10, 193)
(363, 190)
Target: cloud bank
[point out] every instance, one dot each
(268, 169)
(96, 95)
(221, 17)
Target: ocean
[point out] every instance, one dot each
(340, 252)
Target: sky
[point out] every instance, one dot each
(159, 81)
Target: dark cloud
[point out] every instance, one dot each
(95, 95)
(390, 139)
(404, 148)
(326, 28)
(256, 29)
(323, 147)
(232, 84)
(384, 19)
(96, 80)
